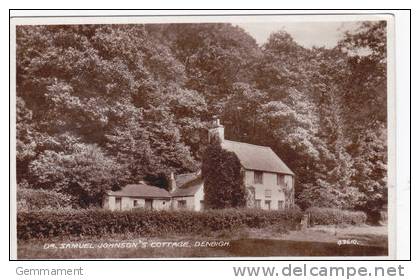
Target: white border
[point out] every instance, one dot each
(309, 17)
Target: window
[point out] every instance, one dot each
(182, 204)
(267, 193)
(267, 204)
(281, 204)
(258, 203)
(135, 203)
(280, 179)
(201, 204)
(105, 202)
(118, 204)
(258, 177)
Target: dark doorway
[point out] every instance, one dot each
(149, 204)
(118, 203)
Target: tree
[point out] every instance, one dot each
(102, 86)
(370, 178)
(84, 171)
(25, 142)
(223, 178)
(215, 56)
(365, 113)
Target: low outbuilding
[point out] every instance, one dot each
(139, 195)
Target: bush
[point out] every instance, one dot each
(222, 178)
(384, 216)
(333, 216)
(38, 199)
(99, 222)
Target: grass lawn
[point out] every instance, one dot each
(316, 241)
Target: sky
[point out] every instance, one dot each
(306, 34)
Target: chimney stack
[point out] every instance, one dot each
(172, 182)
(216, 131)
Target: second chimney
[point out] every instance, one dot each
(172, 182)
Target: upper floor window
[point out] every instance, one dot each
(258, 177)
(267, 193)
(280, 180)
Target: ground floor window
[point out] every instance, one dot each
(281, 204)
(201, 204)
(258, 203)
(135, 203)
(182, 204)
(267, 204)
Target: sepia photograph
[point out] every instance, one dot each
(202, 137)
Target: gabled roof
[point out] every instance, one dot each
(141, 190)
(182, 179)
(189, 187)
(256, 157)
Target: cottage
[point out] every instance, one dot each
(268, 180)
(186, 193)
(137, 196)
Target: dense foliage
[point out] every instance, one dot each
(39, 199)
(99, 106)
(224, 185)
(333, 216)
(97, 223)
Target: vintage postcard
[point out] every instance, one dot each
(203, 137)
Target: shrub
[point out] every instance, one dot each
(223, 178)
(334, 216)
(99, 222)
(384, 216)
(37, 199)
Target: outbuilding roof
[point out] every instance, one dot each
(141, 190)
(256, 157)
(189, 188)
(182, 179)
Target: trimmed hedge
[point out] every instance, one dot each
(333, 216)
(98, 222)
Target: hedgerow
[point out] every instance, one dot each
(333, 216)
(99, 222)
